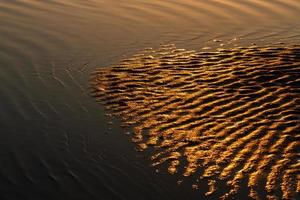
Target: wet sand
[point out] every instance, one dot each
(229, 118)
(55, 139)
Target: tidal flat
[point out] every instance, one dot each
(149, 100)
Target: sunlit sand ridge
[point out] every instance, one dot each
(229, 116)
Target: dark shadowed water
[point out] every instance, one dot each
(55, 140)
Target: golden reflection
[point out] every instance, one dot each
(226, 116)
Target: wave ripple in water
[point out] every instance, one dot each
(48, 49)
(228, 116)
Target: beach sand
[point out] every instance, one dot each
(228, 118)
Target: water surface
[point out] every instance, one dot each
(55, 139)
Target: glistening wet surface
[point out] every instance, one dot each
(227, 116)
(55, 140)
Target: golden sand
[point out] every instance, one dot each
(231, 115)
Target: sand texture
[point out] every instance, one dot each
(228, 117)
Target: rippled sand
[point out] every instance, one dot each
(55, 140)
(227, 116)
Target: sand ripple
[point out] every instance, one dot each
(229, 116)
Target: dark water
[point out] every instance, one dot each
(55, 140)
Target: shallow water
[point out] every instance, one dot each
(55, 139)
(229, 116)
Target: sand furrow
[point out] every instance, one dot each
(228, 115)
